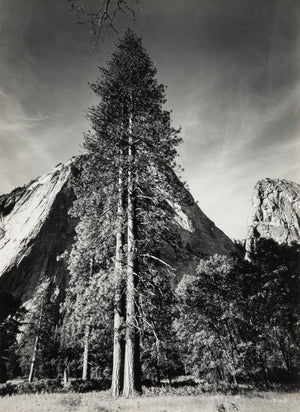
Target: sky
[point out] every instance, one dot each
(231, 68)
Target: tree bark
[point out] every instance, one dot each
(66, 375)
(33, 360)
(36, 343)
(132, 351)
(119, 305)
(85, 368)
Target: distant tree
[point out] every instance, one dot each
(39, 342)
(8, 304)
(160, 346)
(87, 313)
(12, 315)
(240, 246)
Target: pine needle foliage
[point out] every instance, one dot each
(123, 194)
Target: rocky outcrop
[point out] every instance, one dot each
(36, 228)
(275, 212)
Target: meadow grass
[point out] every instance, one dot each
(103, 402)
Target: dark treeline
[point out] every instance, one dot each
(232, 321)
(239, 321)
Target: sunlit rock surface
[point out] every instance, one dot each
(35, 228)
(275, 212)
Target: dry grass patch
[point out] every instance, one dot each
(102, 402)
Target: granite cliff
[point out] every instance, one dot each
(275, 212)
(35, 228)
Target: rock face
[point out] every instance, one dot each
(275, 212)
(200, 237)
(36, 228)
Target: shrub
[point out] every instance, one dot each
(3, 372)
(54, 385)
(8, 389)
(82, 386)
(42, 386)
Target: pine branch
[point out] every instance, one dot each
(103, 18)
(159, 260)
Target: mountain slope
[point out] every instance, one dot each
(36, 228)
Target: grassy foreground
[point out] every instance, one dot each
(102, 402)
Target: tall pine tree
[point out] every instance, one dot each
(123, 190)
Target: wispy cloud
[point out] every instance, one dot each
(13, 117)
(29, 145)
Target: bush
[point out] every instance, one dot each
(3, 372)
(42, 386)
(54, 385)
(82, 386)
(190, 387)
(8, 389)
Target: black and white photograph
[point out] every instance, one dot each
(149, 205)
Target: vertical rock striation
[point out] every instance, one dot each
(35, 229)
(275, 212)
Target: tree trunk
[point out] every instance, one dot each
(66, 375)
(132, 353)
(33, 360)
(85, 368)
(36, 343)
(119, 305)
(158, 381)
